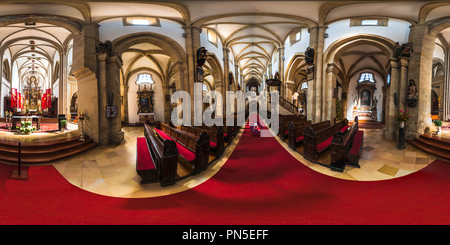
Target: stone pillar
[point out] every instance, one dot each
(125, 104)
(314, 104)
(88, 101)
(226, 71)
(390, 125)
(446, 92)
(289, 91)
(344, 102)
(329, 103)
(420, 63)
(281, 71)
(166, 103)
(219, 88)
(109, 91)
(84, 68)
(403, 83)
(63, 107)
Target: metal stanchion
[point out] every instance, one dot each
(19, 174)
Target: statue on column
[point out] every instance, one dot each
(412, 89)
(309, 56)
(104, 47)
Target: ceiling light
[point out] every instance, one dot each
(369, 22)
(140, 22)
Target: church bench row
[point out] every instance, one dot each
(343, 143)
(315, 142)
(193, 150)
(216, 136)
(295, 132)
(283, 132)
(156, 160)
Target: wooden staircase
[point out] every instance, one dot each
(432, 144)
(35, 153)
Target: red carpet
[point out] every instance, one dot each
(261, 183)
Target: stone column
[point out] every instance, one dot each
(314, 104)
(344, 102)
(329, 103)
(125, 104)
(226, 71)
(84, 68)
(403, 83)
(446, 92)
(219, 88)
(420, 64)
(166, 103)
(109, 91)
(88, 101)
(281, 71)
(389, 124)
(63, 107)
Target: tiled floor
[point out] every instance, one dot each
(111, 170)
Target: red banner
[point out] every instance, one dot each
(13, 97)
(44, 101)
(49, 98)
(19, 101)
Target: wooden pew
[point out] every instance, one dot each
(216, 143)
(341, 143)
(284, 121)
(156, 160)
(296, 131)
(355, 152)
(318, 141)
(192, 150)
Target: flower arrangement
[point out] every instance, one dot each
(401, 116)
(26, 127)
(437, 123)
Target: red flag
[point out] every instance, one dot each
(13, 97)
(44, 101)
(49, 98)
(19, 101)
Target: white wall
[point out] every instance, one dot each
(438, 52)
(352, 92)
(211, 47)
(397, 31)
(158, 98)
(114, 28)
(300, 46)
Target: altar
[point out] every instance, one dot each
(15, 119)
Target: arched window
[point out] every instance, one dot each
(304, 85)
(144, 78)
(205, 88)
(366, 77)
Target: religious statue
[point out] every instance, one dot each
(403, 50)
(412, 89)
(105, 47)
(309, 56)
(230, 78)
(201, 56)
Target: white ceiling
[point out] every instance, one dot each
(251, 29)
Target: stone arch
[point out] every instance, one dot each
(337, 48)
(216, 68)
(170, 46)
